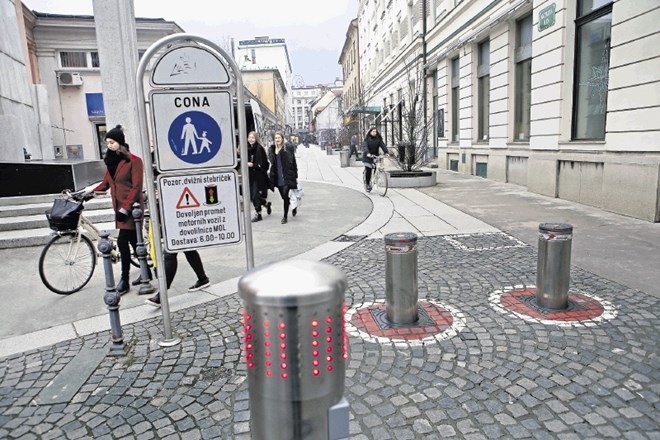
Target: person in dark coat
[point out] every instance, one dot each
(124, 178)
(283, 170)
(373, 142)
(258, 174)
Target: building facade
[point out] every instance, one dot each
(268, 86)
(65, 60)
(265, 53)
(302, 97)
(561, 97)
(350, 62)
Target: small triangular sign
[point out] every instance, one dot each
(187, 200)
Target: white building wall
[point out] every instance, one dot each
(19, 122)
(619, 173)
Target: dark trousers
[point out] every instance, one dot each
(126, 239)
(284, 193)
(172, 264)
(258, 197)
(367, 175)
(353, 150)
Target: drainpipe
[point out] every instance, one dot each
(424, 70)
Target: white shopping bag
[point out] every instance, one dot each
(295, 196)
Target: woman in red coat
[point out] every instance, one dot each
(124, 178)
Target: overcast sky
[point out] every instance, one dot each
(314, 30)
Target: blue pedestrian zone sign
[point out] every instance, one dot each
(194, 129)
(195, 137)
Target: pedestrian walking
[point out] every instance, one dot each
(124, 178)
(171, 265)
(258, 175)
(373, 142)
(283, 170)
(354, 149)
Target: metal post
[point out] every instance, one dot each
(145, 275)
(553, 265)
(295, 348)
(111, 297)
(401, 293)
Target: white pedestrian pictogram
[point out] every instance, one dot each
(205, 143)
(189, 135)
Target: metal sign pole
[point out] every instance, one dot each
(222, 57)
(169, 340)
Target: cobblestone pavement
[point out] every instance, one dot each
(500, 376)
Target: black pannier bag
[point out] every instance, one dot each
(64, 214)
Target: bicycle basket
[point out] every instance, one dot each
(64, 215)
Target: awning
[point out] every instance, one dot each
(365, 109)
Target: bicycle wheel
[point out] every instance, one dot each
(380, 182)
(66, 265)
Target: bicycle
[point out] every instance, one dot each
(379, 181)
(68, 260)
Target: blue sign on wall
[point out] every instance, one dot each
(195, 137)
(95, 104)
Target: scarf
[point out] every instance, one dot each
(112, 160)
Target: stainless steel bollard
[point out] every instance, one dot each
(328, 150)
(401, 293)
(295, 349)
(344, 158)
(111, 297)
(554, 265)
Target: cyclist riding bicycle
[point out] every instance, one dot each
(373, 142)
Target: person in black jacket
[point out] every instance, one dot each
(373, 142)
(258, 171)
(283, 170)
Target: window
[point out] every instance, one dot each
(483, 75)
(95, 59)
(73, 59)
(592, 64)
(455, 69)
(523, 78)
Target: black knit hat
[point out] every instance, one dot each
(117, 135)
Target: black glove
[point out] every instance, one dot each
(121, 216)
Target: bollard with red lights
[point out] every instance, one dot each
(295, 348)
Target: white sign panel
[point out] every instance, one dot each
(199, 210)
(186, 65)
(194, 129)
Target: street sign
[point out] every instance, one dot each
(185, 65)
(193, 129)
(547, 17)
(199, 210)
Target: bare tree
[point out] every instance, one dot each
(411, 130)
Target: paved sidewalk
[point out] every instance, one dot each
(492, 371)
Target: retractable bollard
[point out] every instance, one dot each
(141, 250)
(295, 350)
(553, 265)
(401, 293)
(344, 158)
(111, 297)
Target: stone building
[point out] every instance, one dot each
(65, 73)
(562, 97)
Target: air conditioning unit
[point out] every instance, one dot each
(69, 79)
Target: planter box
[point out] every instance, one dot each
(402, 179)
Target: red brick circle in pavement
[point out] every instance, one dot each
(582, 308)
(363, 320)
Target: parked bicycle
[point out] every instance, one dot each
(68, 260)
(379, 182)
